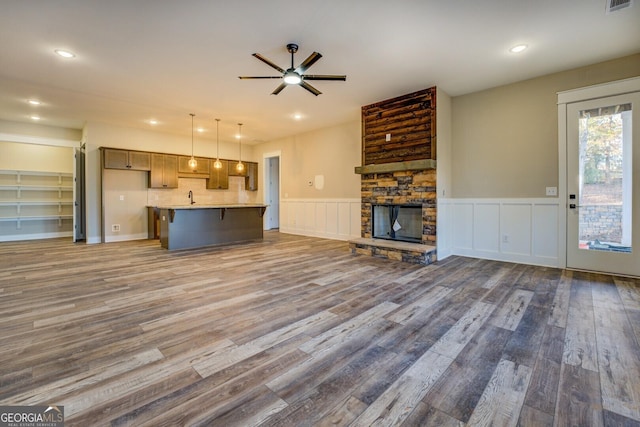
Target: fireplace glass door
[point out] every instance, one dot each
(397, 222)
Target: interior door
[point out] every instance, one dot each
(603, 185)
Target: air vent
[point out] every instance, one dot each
(616, 5)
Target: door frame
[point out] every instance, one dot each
(605, 90)
(267, 182)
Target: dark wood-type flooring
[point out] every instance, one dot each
(297, 331)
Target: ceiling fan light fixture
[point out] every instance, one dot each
(292, 78)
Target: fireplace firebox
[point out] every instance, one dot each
(397, 222)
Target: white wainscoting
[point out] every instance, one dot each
(337, 219)
(515, 230)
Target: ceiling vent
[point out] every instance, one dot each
(616, 5)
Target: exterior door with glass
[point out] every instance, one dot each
(603, 185)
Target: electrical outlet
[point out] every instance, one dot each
(552, 191)
(115, 227)
(505, 238)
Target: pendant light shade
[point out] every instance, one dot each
(217, 164)
(192, 161)
(240, 166)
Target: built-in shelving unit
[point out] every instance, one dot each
(35, 204)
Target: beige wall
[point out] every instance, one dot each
(39, 131)
(332, 152)
(505, 139)
(33, 157)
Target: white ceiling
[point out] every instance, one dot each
(163, 59)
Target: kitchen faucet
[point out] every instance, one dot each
(190, 196)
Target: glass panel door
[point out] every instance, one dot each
(602, 225)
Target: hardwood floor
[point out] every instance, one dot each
(298, 331)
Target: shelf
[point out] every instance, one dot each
(35, 217)
(34, 202)
(37, 187)
(14, 202)
(35, 173)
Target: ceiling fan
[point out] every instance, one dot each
(295, 75)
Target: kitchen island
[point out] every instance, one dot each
(195, 226)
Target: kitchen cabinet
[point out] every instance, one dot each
(251, 180)
(201, 170)
(164, 171)
(218, 178)
(126, 159)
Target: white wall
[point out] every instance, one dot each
(444, 158)
(514, 230)
(337, 219)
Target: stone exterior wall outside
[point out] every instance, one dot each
(601, 222)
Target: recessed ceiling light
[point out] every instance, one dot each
(34, 102)
(518, 48)
(153, 122)
(200, 130)
(297, 116)
(65, 53)
(35, 118)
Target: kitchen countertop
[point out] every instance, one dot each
(211, 206)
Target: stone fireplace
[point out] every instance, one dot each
(398, 179)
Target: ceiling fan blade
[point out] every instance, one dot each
(279, 88)
(324, 77)
(310, 88)
(259, 77)
(268, 62)
(308, 62)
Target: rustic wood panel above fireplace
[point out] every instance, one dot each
(400, 130)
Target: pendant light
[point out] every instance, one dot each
(192, 161)
(240, 166)
(217, 164)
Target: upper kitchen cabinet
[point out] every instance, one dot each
(126, 159)
(251, 180)
(218, 178)
(164, 171)
(201, 170)
(249, 173)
